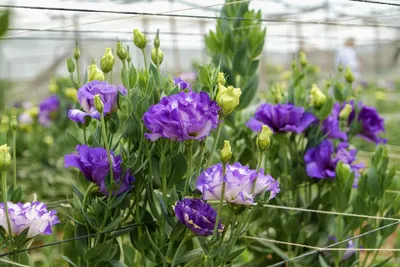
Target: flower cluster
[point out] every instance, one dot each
(34, 216)
(47, 108)
(238, 184)
(181, 117)
(94, 165)
(108, 94)
(281, 118)
(321, 160)
(197, 215)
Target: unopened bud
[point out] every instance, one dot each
(226, 152)
(303, 59)
(264, 138)
(317, 97)
(95, 73)
(77, 52)
(128, 55)
(71, 93)
(156, 41)
(340, 68)
(157, 54)
(345, 112)
(70, 65)
(48, 140)
(221, 78)
(98, 104)
(107, 61)
(139, 39)
(14, 123)
(228, 99)
(5, 157)
(349, 76)
(121, 51)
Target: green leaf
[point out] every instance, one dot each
(382, 263)
(78, 193)
(249, 91)
(116, 263)
(179, 167)
(189, 255)
(322, 261)
(326, 109)
(3, 138)
(21, 238)
(236, 254)
(132, 76)
(70, 262)
(124, 77)
(165, 168)
(16, 196)
(203, 76)
(240, 60)
(68, 248)
(113, 224)
(4, 21)
(73, 139)
(99, 250)
(177, 232)
(338, 92)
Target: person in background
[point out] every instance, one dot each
(346, 57)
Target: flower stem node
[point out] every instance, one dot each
(228, 99)
(264, 138)
(107, 61)
(226, 152)
(139, 39)
(5, 157)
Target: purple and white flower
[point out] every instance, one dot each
(197, 215)
(238, 184)
(331, 125)
(34, 216)
(94, 165)
(183, 116)
(108, 94)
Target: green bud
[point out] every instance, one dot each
(157, 53)
(77, 52)
(228, 99)
(5, 157)
(221, 78)
(70, 65)
(107, 61)
(98, 103)
(340, 68)
(317, 97)
(156, 41)
(328, 84)
(14, 123)
(294, 65)
(348, 75)
(139, 39)
(264, 138)
(303, 59)
(226, 152)
(95, 73)
(345, 112)
(121, 51)
(128, 56)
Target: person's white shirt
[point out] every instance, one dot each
(346, 56)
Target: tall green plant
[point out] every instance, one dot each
(236, 44)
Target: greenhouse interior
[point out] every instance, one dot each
(166, 133)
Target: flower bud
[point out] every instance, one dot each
(340, 68)
(157, 53)
(70, 65)
(221, 78)
(98, 103)
(228, 99)
(328, 84)
(77, 52)
(128, 56)
(48, 140)
(107, 61)
(14, 123)
(5, 157)
(156, 41)
(264, 138)
(226, 152)
(71, 93)
(33, 112)
(317, 97)
(303, 59)
(348, 75)
(53, 87)
(121, 51)
(345, 112)
(95, 73)
(139, 39)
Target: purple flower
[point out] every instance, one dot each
(281, 118)
(321, 161)
(34, 216)
(197, 215)
(183, 116)
(94, 165)
(331, 125)
(182, 84)
(372, 124)
(349, 251)
(238, 184)
(86, 94)
(47, 108)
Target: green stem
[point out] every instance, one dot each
(260, 159)
(84, 134)
(214, 146)
(78, 76)
(178, 251)
(111, 77)
(189, 170)
(15, 160)
(221, 200)
(365, 259)
(4, 191)
(107, 146)
(202, 148)
(228, 222)
(125, 67)
(144, 58)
